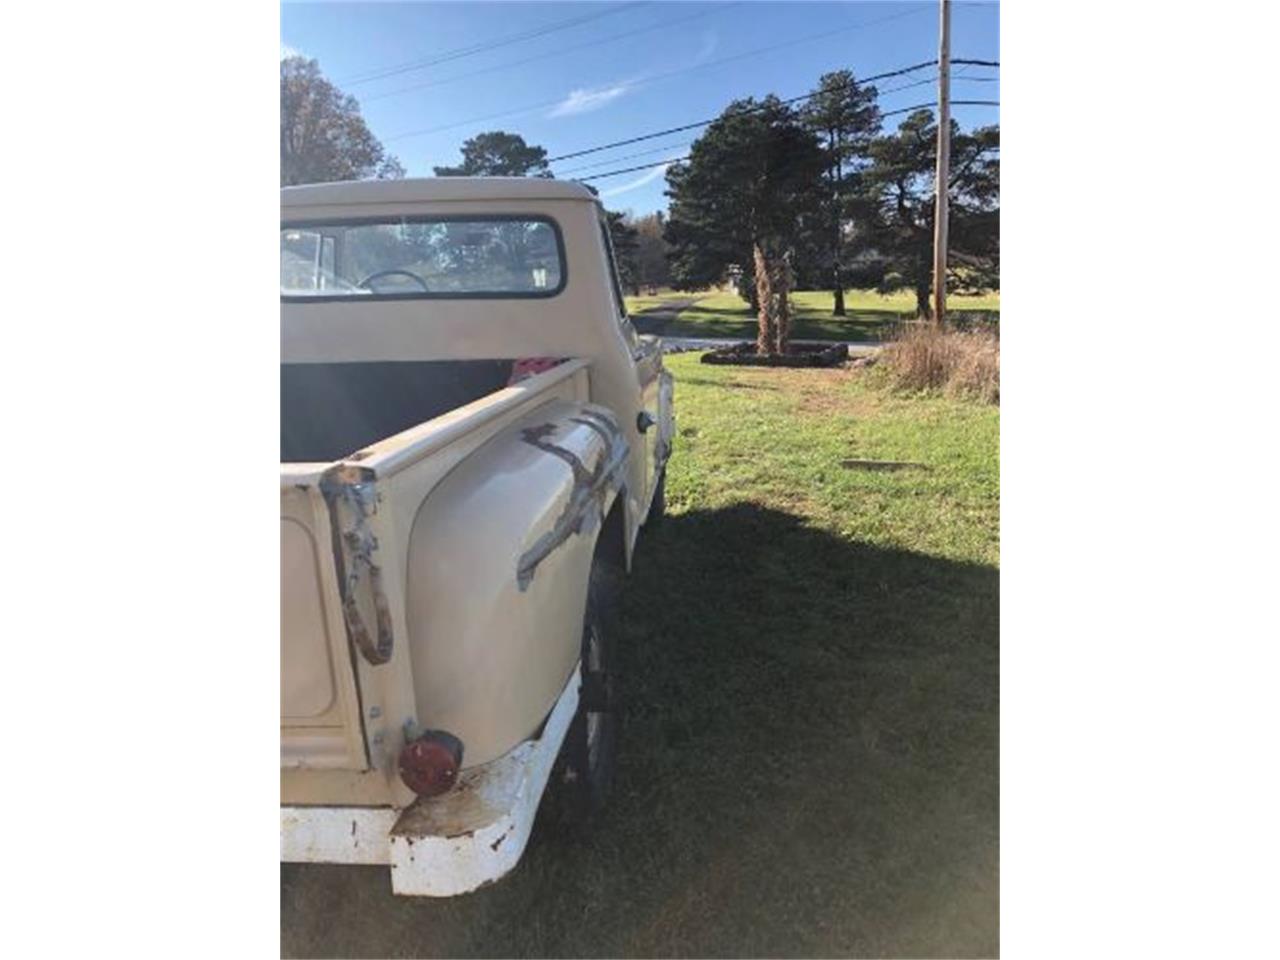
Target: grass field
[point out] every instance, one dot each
(809, 656)
(870, 315)
(645, 301)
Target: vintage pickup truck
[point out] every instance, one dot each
(472, 435)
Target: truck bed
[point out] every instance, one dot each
(412, 423)
(331, 410)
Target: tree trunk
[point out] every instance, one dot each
(766, 338)
(924, 310)
(836, 281)
(782, 294)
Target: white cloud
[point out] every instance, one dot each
(584, 101)
(649, 177)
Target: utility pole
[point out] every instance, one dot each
(944, 167)
(837, 280)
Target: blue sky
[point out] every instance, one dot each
(583, 84)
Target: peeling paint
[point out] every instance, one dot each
(535, 436)
(601, 427)
(590, 487)
(465, 839)
(352, 499)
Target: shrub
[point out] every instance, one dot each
(958, 363)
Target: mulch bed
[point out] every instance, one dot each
(799, 354)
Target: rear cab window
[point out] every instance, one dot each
(422, 257)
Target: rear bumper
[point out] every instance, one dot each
(446, 845)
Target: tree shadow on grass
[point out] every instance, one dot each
(808, 767)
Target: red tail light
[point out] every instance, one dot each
(429, 765)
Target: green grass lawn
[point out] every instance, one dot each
(809, 659)
(645, 301)
(870, 315)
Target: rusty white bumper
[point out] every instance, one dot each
(445, 845)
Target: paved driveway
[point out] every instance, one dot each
(655, 319)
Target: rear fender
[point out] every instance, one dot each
(499, 558)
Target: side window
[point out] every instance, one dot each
(328, 264)
(307, 260)
(613, 272)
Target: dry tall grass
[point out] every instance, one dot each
(959, 363)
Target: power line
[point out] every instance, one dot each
(661, 76)
(719, 8)
(702, 123)
(673, 160)
(689, 142)
(643, 166)
(625, 156)
(954, 103)
(460, 52)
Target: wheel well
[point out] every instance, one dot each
(611, 545)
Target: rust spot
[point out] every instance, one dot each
(497, 843)
(589, 487)
(342, 474)
(353, 828)
(352, 501)
(595, 427)
(539, 432)
(361, 455)
(536, 436)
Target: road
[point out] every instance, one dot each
(677, 344)
(655, 319)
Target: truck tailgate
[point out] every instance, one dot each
(319, 707)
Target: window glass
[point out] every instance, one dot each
(613, 269)
(422, 257)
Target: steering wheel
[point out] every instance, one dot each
(393, 273)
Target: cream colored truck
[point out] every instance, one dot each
(472, 435)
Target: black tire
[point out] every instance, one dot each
(588, 756)
(658, 508)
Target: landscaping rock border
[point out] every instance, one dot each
(799, 354)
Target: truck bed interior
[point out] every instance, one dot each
(330, 410)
